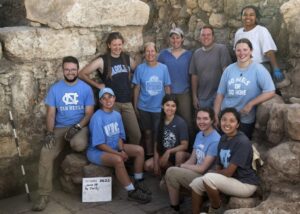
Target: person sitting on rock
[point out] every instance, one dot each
(233, 175)
(70, 105)
(107, 147)
(202, 158)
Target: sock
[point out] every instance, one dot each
(175, 207)
(130, 187)
(138, 176)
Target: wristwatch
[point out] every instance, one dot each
(78, 126)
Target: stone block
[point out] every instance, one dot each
(292, 121)
(93, 170)
(88, 13)
(236, 203)
(275, 124)
(73, 164)
(217, 20)
(32, 44)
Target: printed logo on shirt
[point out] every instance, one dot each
(237, 86)
(111, 129)
(169, 139)
(200, 155)
(154, 86)
(70, 98)
(224, 157)
(119, 69)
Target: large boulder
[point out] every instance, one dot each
(292, 121)
(32, 44)
(89, 13)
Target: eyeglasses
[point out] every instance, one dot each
(70, 70)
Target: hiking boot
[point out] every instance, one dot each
(41, 203)
(138, 196)
(140, 184)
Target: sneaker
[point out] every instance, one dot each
(138, 196)
(41, 203)
(142, 186)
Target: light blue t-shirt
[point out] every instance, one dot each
(70, 101)
(206, 145)
(178, 70)
(152, 81)
(241, 86)
(106, 128)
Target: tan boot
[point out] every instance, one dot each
(41, 203)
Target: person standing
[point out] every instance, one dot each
(115, 68)
(151, 82)
(107, 147)
(206, 68)
(70, 105)
(263, 44)
(177, 59)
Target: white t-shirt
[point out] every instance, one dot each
(261, 40)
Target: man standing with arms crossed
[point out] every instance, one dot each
(206, 68)
(70, 105)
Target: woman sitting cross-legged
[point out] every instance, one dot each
(202, 158)
(107, 148)
(172, 139)
(233, 175)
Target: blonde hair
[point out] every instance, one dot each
(148, 44)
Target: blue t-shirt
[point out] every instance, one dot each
(240, 86)
(152, 81)
(206, 145)
(238, 151)
(178, 69)
(70, 101)
(106, 128)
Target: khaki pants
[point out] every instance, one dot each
(130, 122)
(226, 185)
(78, 143)
(177, 176)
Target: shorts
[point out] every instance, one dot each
(149, 120)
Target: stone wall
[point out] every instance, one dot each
(30, 61)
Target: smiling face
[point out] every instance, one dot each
(116, 47)
(203, 121)
(150, 53)
(229, 124)
(107, 101)
(243, 52)
(169, 108)
(249, 18)
(70, 71)
(206, 37)
(176, 41)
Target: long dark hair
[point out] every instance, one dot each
(160, 131)
(113, 36)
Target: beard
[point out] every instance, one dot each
(71, 80)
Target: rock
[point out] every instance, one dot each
(217, 20)
(88, 13)
(191, 4)
(93, 170)
(275, 124)
(73, 164)
(211, 5)
(68, 185)
(236, 203)
(295, 100)
(0, 50)
(32, 44)
(292, 121)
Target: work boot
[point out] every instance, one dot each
(41, 203)
(140, 184)
(138, 196)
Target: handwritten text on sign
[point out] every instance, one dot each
(96, 189)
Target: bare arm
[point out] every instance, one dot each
(271, 56)
(167, 89)
(50, 118)
(136, 93)
(181, 147)
(192, 159)
(89, 110)
(229, 171)
(207, 162)
(195, 90)
(259, 99)
(84, 73)
(217, 106)
(106, 148)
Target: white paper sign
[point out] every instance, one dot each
(96, 189)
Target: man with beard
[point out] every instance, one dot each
(70, 105)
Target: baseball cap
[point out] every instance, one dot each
(177, 31)
(106, 90)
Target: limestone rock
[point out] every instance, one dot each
(236, 203)
(211, 5)
(292, 121)
(32, 44)
(217, 20)
(93, 170)
(191, 4)
(74, 163)
(89, 13)
(275, 125)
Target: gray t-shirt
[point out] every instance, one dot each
(208, 66)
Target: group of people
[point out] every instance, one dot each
(153, 120)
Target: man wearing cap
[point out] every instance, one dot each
(206, 68)
(177, 59)
(70, 105)
(107, 147)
